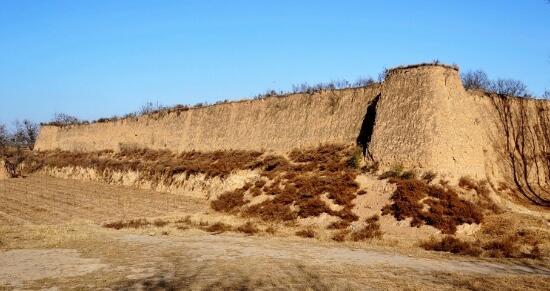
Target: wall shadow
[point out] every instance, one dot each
(367, 127)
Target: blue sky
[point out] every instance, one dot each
(99, 58)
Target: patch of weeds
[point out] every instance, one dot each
(160, 223)
(307, 233)
(397, 172)
(370, 230)
(429, 176)
(482, 191)
(340, 224)
(133, 223)
(299, 182)
(218, 227)
(248, 228)
(270, 211)
(229, 201)
(446, 210)
(340, 236)
(453, 245)
(507, 247)
(354, 161)
(271, 230)
(371, 168)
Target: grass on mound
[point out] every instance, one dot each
(436, 205)
(153, 165)
(511, 246)
(297, 184)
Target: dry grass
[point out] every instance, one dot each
(271, 230)
(340, 236)
(446, 210)
(507, 247)
(482, 190)
(307, 233)
(229, 201)
(300, 182)
(429, 176)
(132, 223)
(160, 222)
(248, 228)
(371, 229)
(218, 227)
(452, 245)
(154, 165)
(341, 224)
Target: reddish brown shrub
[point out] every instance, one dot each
(506, 247)
(229, 201)
(446, 210)
(218, 227)
(452, 245)
(312, 173)
(370, 230)
(270, 211)
(312, 207)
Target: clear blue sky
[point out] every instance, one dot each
(100, 58)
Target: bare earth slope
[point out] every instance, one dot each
(71, 252)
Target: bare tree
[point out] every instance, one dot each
(382, 76)
(149, 108)
(65, 119)
(477, 79)
(363, 82)
(26, 133)
(546, 94)
(4, 136)
(509, 87)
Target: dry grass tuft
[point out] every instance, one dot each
(271, 230)
(482, 190)
(133, 223)
(160, 223)
(428, 177)
(248, 228)
(510, 246)
(229, 201)
(370, 230)
(340, 236)
(307, 233)
(341, 224)
(218, 227)
(453, 245)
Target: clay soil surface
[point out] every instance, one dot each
(52, 236)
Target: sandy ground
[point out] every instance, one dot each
(51, 237)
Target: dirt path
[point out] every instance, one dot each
(232, 247)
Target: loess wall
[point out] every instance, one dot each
(277, 123)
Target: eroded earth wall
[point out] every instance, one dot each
(277, 123)
(424, 119)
